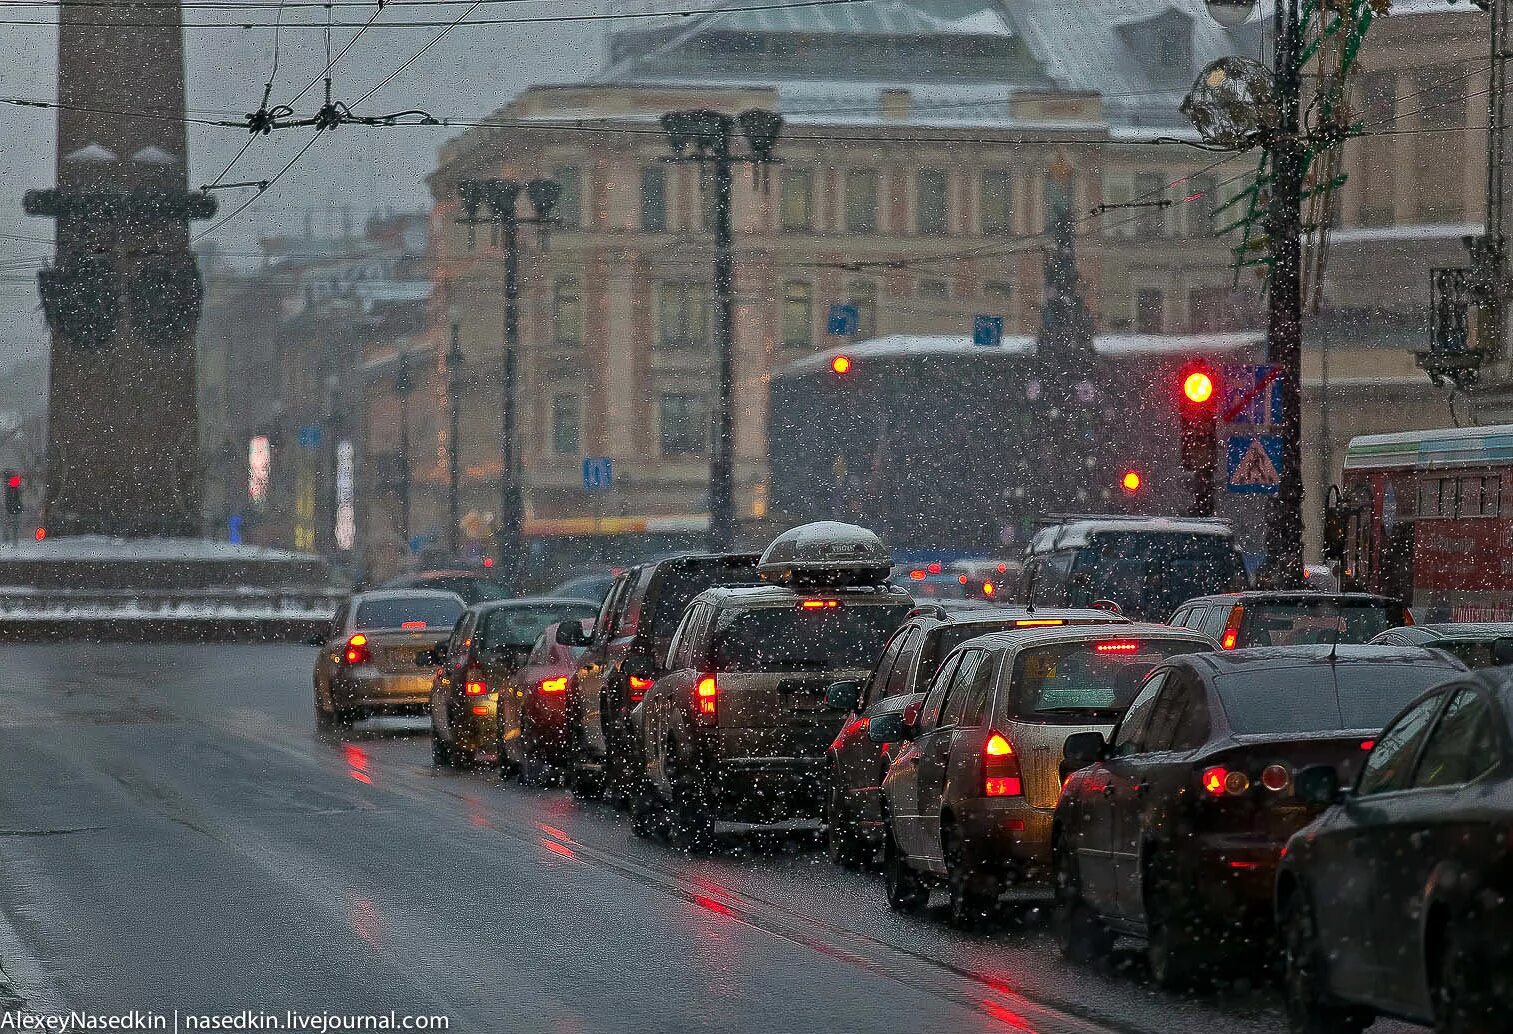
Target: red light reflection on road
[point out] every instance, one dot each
(717, 907)
(357, 761)
(553, 831)
(556, 848)
(1006, 1015)
(362, 916)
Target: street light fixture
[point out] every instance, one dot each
(1231, 13)
(454, 432)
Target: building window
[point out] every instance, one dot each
(997, 201)
(934, 289)
(1060, 192)
(567, 310)
(861, 201)
(654, 199)
(566, 433)
(683, 314)
(930, 202)
(1000, 289)
(864, 297)
(570, 201)
(682, 425)
(1150, 314)
(1150, 222)
(798, 315)
(797, 200)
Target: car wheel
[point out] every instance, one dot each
(645, 810)
(533, 772)
(441, 752)
(907, 892)
(1172, 947)
(1463, 1001)
(691, 819)
(1082, 935)
(841, 842)
(972, 903)
(325, 721)
(1305, 994)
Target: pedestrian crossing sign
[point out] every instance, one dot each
(1254, 464)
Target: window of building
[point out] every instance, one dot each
(567, 310)
(654, 199)
(934, 288)
(1060, 191)
(798, 315)
(566, 429)
(861, 201)
(1150, 311)
(1202, 209)
(683, 314)
(682, 425)
(999, 290)
(930, 202)
(1150, 222)
(997, 201)
(864, 297)
(1174, 50)
(570, 201)
(797, 200)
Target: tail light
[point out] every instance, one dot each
(357, 651)
(473, 684)
(1231, 637)
(1117, 646)
(1407, 617)
(556, 685)
(819, 605)
(1219, 781)
(707, 695)
(412, 624)
(1276, 778)
(1000, 768)
(638, 687)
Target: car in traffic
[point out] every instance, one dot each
(474, 671)
(1170, 829)
(474, 586)
(1478, 644)
(623, 657)
(969, 801)
(862, 750)
(1398, 899)
(929, 581)
(535, 710)
(375, 659)
(1291, 618)
(1145, 566)
(593, 586)
(739, 726)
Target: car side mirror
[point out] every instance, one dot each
(1317, 785)
(1502, 651)
(1081, 750)
(844, 696)
(886, 728)
(638, 665)
(909, 721)
(572, 633)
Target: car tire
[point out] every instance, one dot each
(441, 751)
(907, 892)
(533, 772)
(842, 845)
(1306, 1000)
(971, 904)
(690, 817)
(1173, 949)
(325, 721)
(1082, 936)
(1463, 1000)
(645, 811)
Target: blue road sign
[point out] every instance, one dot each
(987, 331)
(309, 436)
(234, 529)
(419, 542)
(1254, 464)
(598, 473)
(1252, 394)
(845, 321)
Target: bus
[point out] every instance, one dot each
(1420, 517)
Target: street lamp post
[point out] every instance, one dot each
(708, 135)
(502, 197)
(403, 386)
(454, 461)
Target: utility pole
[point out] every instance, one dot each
(502, 197)
(1490, 261)
(709, 134)
(403, 386)
(454, 461)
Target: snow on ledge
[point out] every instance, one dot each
(165, 550)
(1406, 232)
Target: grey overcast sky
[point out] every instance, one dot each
(473, 71)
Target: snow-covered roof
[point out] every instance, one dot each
(878, 18)
(919, 346)
(1076, 533)
(1405, 232)
(104, 548)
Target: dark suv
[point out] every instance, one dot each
(623, 657)
(863, 749)
(1291, 618)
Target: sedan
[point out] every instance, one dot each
(1173, 830)
(1478, 644)
(376, 657)
(535, 727)
(1399, 898)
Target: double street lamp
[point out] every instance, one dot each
(502, 198)
(705, 137)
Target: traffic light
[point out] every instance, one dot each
(1197, 408)
(1130, 482)
(841, 365)
(12, 493)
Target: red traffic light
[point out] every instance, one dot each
(841, 364)
(1131, 481)
(1198, 387)
(14, 481)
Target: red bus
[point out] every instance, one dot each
(1421, 517)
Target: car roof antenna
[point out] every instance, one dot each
(1029, 589)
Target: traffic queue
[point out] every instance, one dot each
(1140, 742)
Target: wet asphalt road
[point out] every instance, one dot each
(173, 836)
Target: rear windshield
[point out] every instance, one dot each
(1326, 620)
(1094, 680)
(1323, 696)
(1149, 573)
(522, 626)
(676, 583)
(400, 611)
(791, 639)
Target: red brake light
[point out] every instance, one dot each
(1232, 627)
(988, 588)
(917, 575)
(473, 685)
(638, 687)
(1003, 568)
(1275, 778)
(707, 692)
(1366, 745)
(556, 685)
(933, 567)
(14, 481)
(1038, 622)
(1213, 780)
(962, 579)
(1117, 646)
(1407, 617)
(1000, 768)
(413, 624)
(357, 651)
(1220, 781)
(820, 605)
